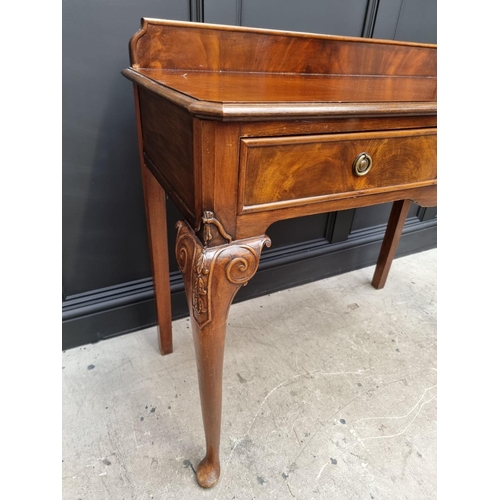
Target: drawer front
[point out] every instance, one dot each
(283, 171)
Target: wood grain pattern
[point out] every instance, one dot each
(234, 72)
(232, 87)
(390, 243)
(156, 221)
(168, 143)
(244, 127)
(277, 127)
(155, 203)
(300, 167)
(208, 47)
(212, 276)
(236, 111)
(250, 223)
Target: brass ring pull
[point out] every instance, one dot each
(362, 164)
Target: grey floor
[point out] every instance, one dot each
(329, 393)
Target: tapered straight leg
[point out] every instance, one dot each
(212, 276)
(156, 214)
(390, 243)
(156, 218)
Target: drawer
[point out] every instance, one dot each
(284, 170)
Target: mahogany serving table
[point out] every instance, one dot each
(243, 127)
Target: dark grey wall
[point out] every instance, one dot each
(105, 262)
(106, 271)
(104, 236)
(411, 20)
(341, 17)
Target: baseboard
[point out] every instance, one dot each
(105, 313)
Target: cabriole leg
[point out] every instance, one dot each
(212, 276)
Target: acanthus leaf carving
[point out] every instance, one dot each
(225, 267)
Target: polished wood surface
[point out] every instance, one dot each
(271, 110)
(244, 127)
(243, 87)
(210, 47)
(231, 72)
(212, 277)
(156, 218)
(168, 149)
(156, 215)
(390, 244)
(298, 167)
(321, 125)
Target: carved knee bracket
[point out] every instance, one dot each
(221, 270)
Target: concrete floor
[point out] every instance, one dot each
(329, 393)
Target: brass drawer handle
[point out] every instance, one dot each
(362, 164)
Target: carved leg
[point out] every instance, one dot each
(156, 218)
(390, 244)
(212, 276)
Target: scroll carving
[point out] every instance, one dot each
(242, 268)
(215, 273)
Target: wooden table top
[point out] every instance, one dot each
(251, 87)
(232, 73)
